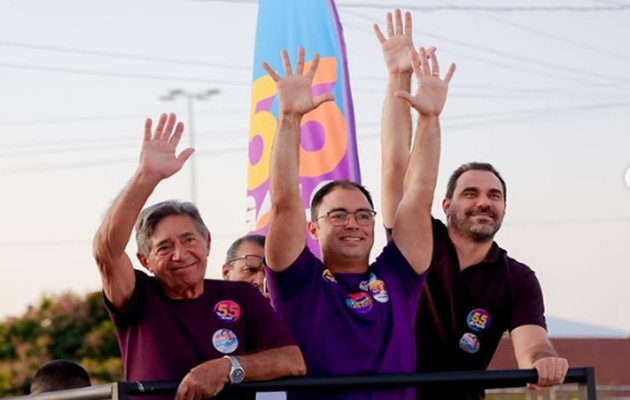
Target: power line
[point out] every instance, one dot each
(120, 74)
(537, 62)
(449, 7)
(68, 50)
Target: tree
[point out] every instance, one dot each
(63, 326)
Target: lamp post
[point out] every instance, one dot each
(190, 97)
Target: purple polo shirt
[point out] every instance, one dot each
(351, 324)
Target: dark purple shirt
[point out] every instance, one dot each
(163, 339)
(463, 314)
(351, 324)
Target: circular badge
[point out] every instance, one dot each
(478, 319)
(227, 311)
(328, 276)
(469, 343)
(377, 288)
(225, 341)
(359, 302)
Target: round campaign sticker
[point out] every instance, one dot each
(469, 343)
(328, 276)
(225, 341)
(377, 288)
(227, 311)
(360, 302)
(478, 319)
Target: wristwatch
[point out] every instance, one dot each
(237, 373)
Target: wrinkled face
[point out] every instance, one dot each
(477, 208)
(247, 265)
(351, 241)
(178, 254)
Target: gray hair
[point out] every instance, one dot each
(250, 238)
(150, 216)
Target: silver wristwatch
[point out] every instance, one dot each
(237, 373)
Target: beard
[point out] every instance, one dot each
(462, 223)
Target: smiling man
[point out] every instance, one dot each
(349, 316)
(176, 325)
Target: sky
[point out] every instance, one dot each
(541, 91)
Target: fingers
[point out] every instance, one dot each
(408, 26)
(160, 126)
(435, 67)
(314, 65)
(299, 69)
(286, 62)
(148, 123)
(272, 73)
(449, 73)
(405, 95)
(379, 35)
(424, 66)
(390, 25)
(323, 98)
(177, 136)
(551, 371)
(398, 22)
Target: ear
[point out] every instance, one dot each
(312, 228)
(446, 206)
(208, 243)
(144, 261)
(226, 272)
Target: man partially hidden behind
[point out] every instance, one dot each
(244, 261)
(59, 375)
(177, 325)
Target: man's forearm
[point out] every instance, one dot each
(274, 363)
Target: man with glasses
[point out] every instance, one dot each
(244, 261)
(349, 316)
(176, 325)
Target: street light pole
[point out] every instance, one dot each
(190, 98)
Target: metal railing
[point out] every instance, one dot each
(584, 377)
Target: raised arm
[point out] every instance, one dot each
(396, 118)
(286, 237)
(533, 349)
(157, 162)
(412, 230)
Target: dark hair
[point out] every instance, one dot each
(329, 187)
(472, 166)
(150, 216)
(250, 238)
(59, 375)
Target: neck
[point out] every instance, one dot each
(345, 266)
(469, 252)
(188, 293)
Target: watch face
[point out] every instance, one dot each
(237, 375)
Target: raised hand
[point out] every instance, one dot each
(157, 157)
(430, 97)
(398, 43)
(294, 90)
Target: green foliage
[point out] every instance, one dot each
(65, 326)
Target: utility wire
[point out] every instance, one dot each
(68, 50)
(121, 74)
(512, 57)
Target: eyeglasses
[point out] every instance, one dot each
(341, 217)
(251, 260)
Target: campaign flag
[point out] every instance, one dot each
(328, 142)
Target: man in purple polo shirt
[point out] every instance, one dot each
(474, 291)
(348, 316)
(176, 325)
